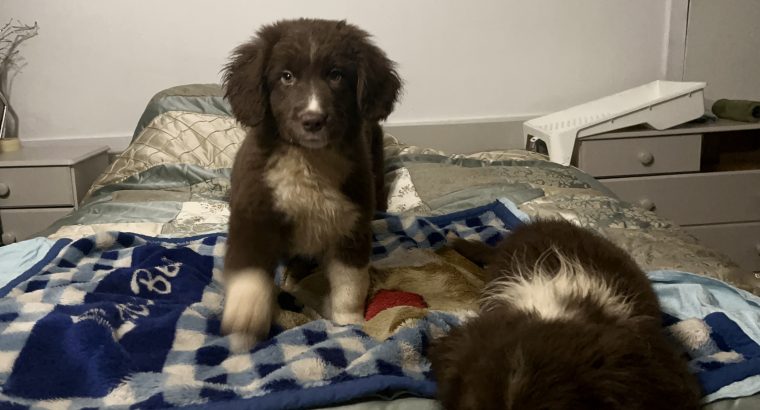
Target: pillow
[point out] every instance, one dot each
(198, 98)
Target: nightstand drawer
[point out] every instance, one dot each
(695, 199)
(740, 242)
(36, 186)
(21, 224)
(640, 156)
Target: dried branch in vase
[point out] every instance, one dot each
(12, 35)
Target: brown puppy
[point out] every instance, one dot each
(568, 321)
(309, 175)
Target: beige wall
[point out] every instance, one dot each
(95, 64)
(723, 47)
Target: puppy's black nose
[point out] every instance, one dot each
(313, 121)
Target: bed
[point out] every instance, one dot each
(118, 303)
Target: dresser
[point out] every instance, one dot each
(39, 185)
(703, 176)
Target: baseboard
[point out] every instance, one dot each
(463, 136)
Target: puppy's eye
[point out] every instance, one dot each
(287, 77)
(335, 75)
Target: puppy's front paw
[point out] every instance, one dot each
(348, 292)
(248, 308)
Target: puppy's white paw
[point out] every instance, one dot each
(241, 342)
(248, 307)
(348, 292)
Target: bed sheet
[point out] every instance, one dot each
(18, 257)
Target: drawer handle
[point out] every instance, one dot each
(646, 158)
(8, 238)
(647, 204)
(757, 248)
(5, 190)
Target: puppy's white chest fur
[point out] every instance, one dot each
(306, 188)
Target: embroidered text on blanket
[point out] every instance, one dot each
(152, 281)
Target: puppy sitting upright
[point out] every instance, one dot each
(308, 177)
(568, 321)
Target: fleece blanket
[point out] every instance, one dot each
(119, 319)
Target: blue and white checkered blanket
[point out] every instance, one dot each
(122, 319)
(119, 319)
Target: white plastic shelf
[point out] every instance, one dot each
(661, 104)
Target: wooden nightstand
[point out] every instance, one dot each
(705, 177)
(39, 185)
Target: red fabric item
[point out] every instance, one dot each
(385, 299)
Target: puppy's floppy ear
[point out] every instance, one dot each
(378, 83)
(245, 82)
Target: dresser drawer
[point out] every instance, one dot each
(36, 186)
(695, 199)
(740, 242)
(640, 156)
(21, 224)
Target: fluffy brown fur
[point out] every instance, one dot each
(309, 175)
(603, 350)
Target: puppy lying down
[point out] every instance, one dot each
(567, 321)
